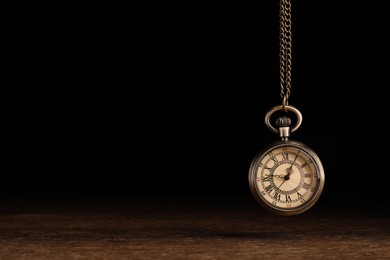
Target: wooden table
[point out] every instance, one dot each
(186, 228)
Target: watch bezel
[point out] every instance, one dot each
(253, 180)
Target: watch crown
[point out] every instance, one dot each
(284, 127)
(283, 121)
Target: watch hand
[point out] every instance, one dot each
(277, 175)
(294, 159)
(289, 169)
(280, 185)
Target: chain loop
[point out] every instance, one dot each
(285, 51)
(285, 103)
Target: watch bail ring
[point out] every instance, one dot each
(285, 108)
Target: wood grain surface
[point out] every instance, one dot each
(187, 228)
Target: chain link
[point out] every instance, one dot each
(285, 52)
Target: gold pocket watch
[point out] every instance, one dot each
(286, 177)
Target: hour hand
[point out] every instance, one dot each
(277, 175)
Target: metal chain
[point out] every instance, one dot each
(285, 49)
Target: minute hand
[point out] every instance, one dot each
(289, 169)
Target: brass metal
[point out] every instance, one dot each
(285, 51)
(256, 164)
(276, 159)
(288, 108)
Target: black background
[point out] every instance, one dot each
(157, 100)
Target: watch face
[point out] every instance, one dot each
(287, 178)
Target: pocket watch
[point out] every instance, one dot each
(286, 177)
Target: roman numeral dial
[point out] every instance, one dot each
(287, 178)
